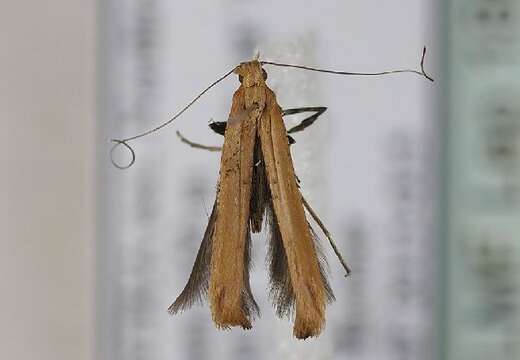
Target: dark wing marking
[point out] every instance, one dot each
(259, 190)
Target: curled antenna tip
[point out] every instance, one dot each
(422, 65)
(117, 143)
(125, 141)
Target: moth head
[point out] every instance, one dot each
(251, 73)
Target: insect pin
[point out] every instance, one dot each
(257, 181)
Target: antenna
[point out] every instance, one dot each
(422, 72)
(124, 142)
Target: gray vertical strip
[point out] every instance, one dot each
(132, 202)
(483, 180)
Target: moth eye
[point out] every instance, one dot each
(240, 78)
(264, 74)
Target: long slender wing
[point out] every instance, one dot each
(310, 291)
(231, 301)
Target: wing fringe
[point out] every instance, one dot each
(196, 289)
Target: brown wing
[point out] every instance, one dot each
(308, 286)
(231, 301)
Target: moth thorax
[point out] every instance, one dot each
(251, 74)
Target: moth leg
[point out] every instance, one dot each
(327, 234)
(308, 120)
(220, 128)
(196, 145)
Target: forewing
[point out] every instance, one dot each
(306, 278)
(231, 301)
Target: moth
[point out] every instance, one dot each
(258, 187)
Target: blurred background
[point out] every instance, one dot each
(418, 182)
